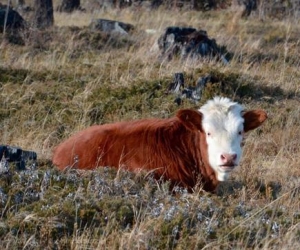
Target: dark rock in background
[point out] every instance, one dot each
(188, 42)
(69, 6)
(193, 93)
(10, 19)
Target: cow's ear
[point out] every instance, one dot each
(191, 119)
(253, 119)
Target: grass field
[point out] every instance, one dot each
(68, 77)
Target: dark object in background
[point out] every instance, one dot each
(193, 93)
(177, 84)
(69, 6)
(156, 3)
(172, 40)
(17, 155)
(188, 42)
(249, 6)
(10, 19)
(43, 16)
(203, 5)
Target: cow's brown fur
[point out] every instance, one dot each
(173, 148)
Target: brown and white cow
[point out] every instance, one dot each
(194, 145)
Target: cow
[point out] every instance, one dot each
(195, 146)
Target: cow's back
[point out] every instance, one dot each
(80, 150)
(133, 145)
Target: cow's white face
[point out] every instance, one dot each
(223, 125)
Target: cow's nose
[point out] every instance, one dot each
(228, 159)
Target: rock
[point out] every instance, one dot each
(195, 93)
(17, 155)
(177, 84)
(192, 93)
(110, 26)
(10, 19)
(172, 40)
(188, 43)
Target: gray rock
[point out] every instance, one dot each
(110, 26)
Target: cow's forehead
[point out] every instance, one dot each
(222, 113)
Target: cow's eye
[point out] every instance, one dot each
(240, 132)
(208, 134)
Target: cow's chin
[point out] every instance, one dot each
(223, 176)
(223, 172)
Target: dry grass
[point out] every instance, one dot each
(68, 78)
